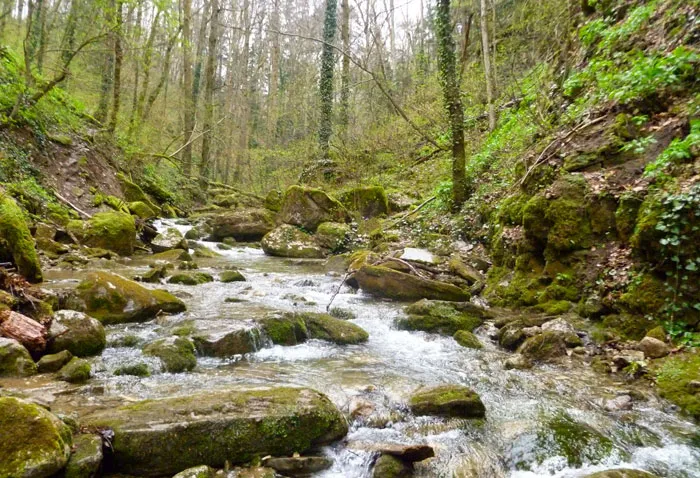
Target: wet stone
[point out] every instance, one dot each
(299, 465)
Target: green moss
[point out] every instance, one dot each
(86, 460)
(440, 317)
(571, 228)
(38, 444)
(555, 307)
(286, 329)
(534, 218)
(448, 400)
(273, 200)
(15, 360)
(368, 201)
(658, 333)
(114, 231)
(138, 370)
(560, 292)
(646, 238)
(677, 381)
(467, 339)
(545, 346)
(231, 276)
(645, 296)
(326, 327)
(388, 466)
(511, 210)
(175, 353)
(309, 207)
(332, 235)
(577, 442)
(142, 210)
(190, 278)
(76, 371)
(16, 240)
(630, 326)
(626, 215)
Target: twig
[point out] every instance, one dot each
(409, 265)
(337, 291)
(80, 211)
(410, 213)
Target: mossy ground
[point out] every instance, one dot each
(678, 380)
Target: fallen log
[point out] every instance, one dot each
(24, 330)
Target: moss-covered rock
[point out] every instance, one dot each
(86, 460)
(678, 380)
(114, 231)
(369, 201)
(309, 207)
(76, 332)
(658, 332)
(172, 256)
(447, 401)
(176, 354)
(388, 466)
(190, 278)
(15, 360)
(16, 243)
(137, 370)
(227, 342)
(290, 241)
(142, 210)
(273, 200)
(467, 339)
(169, 239)
(161, 437)
(33, 443)
(284, 329)
(244, 225)
(76, 371)
(442, 317)
(133, 192)
(231, 276)
(626, 215)
(54, 362)
(326, 327)
(645, 296)
(385, 282)
(112, 299)
(543, 347)
(332, 235)
(198, 472)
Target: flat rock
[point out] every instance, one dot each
(449, 401)
(299, 465)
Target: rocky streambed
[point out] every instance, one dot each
(239, 362)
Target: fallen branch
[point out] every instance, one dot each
(337, 291)
(76, 208)
(411, 267)
(410, 213)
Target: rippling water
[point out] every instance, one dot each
(511, 442)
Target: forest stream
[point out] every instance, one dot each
(558, 421)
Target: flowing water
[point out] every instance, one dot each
(535, 418)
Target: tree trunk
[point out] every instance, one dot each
(274, 72)
(485, 48)
(165, 73)
(118, 60)
(453, 102)
(326, 82)
(345, 74)
(201, 40)
(108, 71)
(188, 111)
(209, 79)
(137, 114)
(24, 330)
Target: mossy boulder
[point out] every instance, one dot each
(54, 362)
(309, 207)
(227, 341)
(447, 401)
(142, 210)
(368, 201)
(231, 276)
(190, 278)
(169, 239)
(76, 371)
(284, 328)
(176, 354)
(140, 369)
(442, 317)
(327, 327)
(290, 241)
(468, 339)
(388, 466)
(86, 460)
(114, 231)
(34, 443)
(678, 380)
(132, 192)
(543, 347)
(172, 256)
(112, 299)
(15, 360)
(16, 243)
(332, 235)
(244, 225)
(80, 334)
(273, 200)
(385, 282)
(163, 437)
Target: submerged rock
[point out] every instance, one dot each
(16, 240)
(15, 360)
(309, 207)
(385, 282)
(112, 299)
(176, 354)
(449, 401)
(34, 443)
(290, 241)
(86, 460)
(161, 437)
(244, 225)
(407, 453)
(80, 334)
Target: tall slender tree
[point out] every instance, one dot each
(486, 52)
(345, 73)
(209, 80)
(326, 81)
(188, 110)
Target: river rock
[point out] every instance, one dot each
(368, 201)
(558, 325)
(231, 276)
(161, 437)
(112, 299)
(407, 453)
(34, 443)
(114, 231)
(328, 328)
(227, 343)
(388, 466)
(284, 328)
(467, 339)
(290, 241)
(449, 401)
(392, 284)
(442, 317)
(168, 240)
(16, 240)
(298, 465)
(202, 471)
(171, 256)
(54, 362)
(517, 362)
(190, 278)
(543, 347)
(86, 460)
(76, 371)
(653, 348)
(332, 236)
(309, 207)
(80, 334)
(176, 354)
(15, 360)
(244, 225)
(621, 473)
